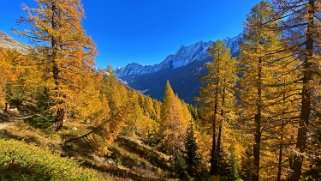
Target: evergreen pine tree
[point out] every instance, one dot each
(180, 166)
(235, 173)
(192, 158)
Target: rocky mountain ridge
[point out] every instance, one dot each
(8, 42)
(184, 56)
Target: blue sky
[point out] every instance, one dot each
(146, 31)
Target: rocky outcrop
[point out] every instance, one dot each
(8, 42)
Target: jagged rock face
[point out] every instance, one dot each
(8, 42)
(182, 69)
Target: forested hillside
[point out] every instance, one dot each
(257, 116)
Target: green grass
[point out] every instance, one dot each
(21, 161)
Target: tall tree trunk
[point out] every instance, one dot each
(60, 113)
(59, 119)
(279, 174)
(213, 152)
(214, 169)
(219, 137)
(6, 107)
(257, 122)
(306, 97)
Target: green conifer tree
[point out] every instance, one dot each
(235, 172)
(192, 158)
(180, 166)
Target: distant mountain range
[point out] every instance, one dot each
(182, 69)
(8, 42)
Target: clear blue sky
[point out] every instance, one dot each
(146, 31)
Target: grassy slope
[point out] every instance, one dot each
(130, 158)
(21, 161)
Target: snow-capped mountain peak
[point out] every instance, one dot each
(184, 56)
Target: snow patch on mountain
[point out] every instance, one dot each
(186, 55)
(136, 69)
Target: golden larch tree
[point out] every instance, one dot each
(302, 26)
(63, 47)
(174, 121)
(218, 95)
